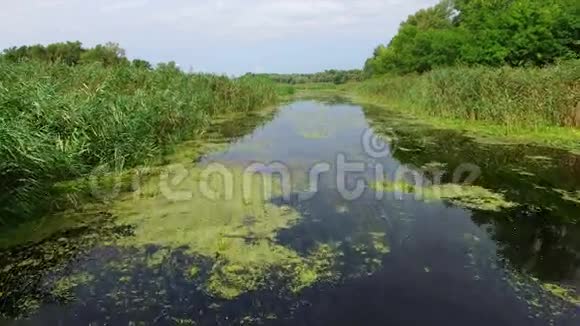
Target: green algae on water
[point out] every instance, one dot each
(379, 242)
(237, 234)
(567, 295)
(467, 196)
(314, 135)
(65, 285)
(572, 196)
(543, 299)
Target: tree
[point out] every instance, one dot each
(426, 39)
(69, 52)
(109, 54)
(482, 32)
(16, 54)
(142, 64)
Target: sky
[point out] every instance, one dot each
(220, 36)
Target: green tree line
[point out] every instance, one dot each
(518, 33)
(73, 53)
(328, 76)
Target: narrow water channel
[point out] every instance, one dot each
(371, 220)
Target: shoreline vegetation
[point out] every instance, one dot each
(537, 106)
(503, 69)
(522, 105)
(369, 93)
(62, 118)
(494, 68)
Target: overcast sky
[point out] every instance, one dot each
(222, 36)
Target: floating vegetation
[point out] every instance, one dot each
(544, 300)
(315, 134)
(37, 271)
(539, 158)
(568, 295)
(65, 285)
(434, 166)
(404, 149)
(573, 196)
(237, 233)
(379, 242)
(523, 172)
(467, 196)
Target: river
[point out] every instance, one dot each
(323, 212)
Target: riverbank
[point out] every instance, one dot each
(499, 105)
(486, 132)
(61, 122)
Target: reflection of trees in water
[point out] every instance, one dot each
(541, 235)
(550, 251)
(238, 126)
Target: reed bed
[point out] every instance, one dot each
(512, 97)
(59, 122)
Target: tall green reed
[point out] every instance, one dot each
(59, 122)
(514, 97)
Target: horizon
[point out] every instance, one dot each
(231, 37)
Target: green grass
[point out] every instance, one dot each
(59, 122)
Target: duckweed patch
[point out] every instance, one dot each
(315, 134)
(567, 295)
(539, 158)
(466, 196)
(431, 166)
(572, 196)
(236, 229)
(546, 300)
(379, 242)
(36, 273)
(66, 285)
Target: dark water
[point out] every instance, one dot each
(400, 260)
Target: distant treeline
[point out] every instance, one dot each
(517, 33)
(328, 76)
(73, 53)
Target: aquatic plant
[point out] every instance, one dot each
(237, 233)
(572, 196)
(567, 295)
(467, 196)
(65, 285)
